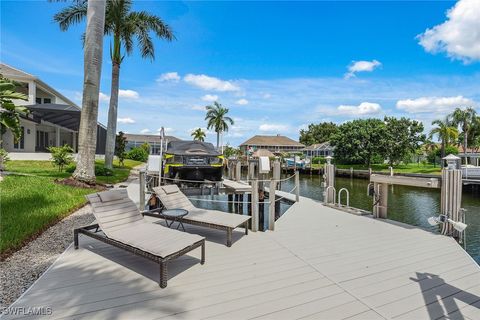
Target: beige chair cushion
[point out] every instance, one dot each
(179, 200)
(120, 219)
(170, 189)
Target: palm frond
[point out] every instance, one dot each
(71, 15)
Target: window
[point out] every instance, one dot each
(47, 100)
(38, 100)
(20, 144)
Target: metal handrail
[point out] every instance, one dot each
(340, 197)
(334, 194)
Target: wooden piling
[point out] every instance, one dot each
(142, 178)
(451, 198)
(238, 171)
(271, 207)
(380, 200)
(254, 195)
(297, 186)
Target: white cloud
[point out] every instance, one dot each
(128, 94)
(271, 127)
(363, 108)
(459, 35)
(210, 83)
(210, 97)
(126, 120)
(433, 104)
(198, 108)
(267, 96)
(361, 66)
(145, 131)
(168, 76)
(242, 102)
(103, 97)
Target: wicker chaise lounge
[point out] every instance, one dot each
(124, 227)
(171, 198)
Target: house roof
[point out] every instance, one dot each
(263, 153)
(319, 146)
(148, 137)
(277, 140)
(60, 114)
(19, 75)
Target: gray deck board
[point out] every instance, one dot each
(319, 263)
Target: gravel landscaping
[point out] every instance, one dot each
(21, 269)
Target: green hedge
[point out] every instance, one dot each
(138, 154)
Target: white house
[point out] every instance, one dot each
(53, 119)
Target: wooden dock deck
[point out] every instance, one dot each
(319, 263)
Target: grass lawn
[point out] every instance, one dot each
(30, 204)
(406, 168)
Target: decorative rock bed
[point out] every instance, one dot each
(20, 270)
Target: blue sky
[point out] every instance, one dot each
(278, 66)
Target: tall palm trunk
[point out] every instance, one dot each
(218, 139)
(87, 135)
(113, 107)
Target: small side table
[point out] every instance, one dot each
(175, 215)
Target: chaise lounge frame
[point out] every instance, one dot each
(185, 219)
(162, 261)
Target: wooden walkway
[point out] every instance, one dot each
(320, 263)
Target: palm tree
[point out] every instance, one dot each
(217, 119)
(124, 26)
(445, 131)
(93, 50)
(465, 119)
(198, 134)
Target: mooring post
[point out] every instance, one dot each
(238, 171)
(369, 172)
(142, 178)
(329, 180)
(276, 173)
(251, 166)
(271, 207)
(380, 200)
(451, 196)
(254, 220)
(351, 172)
(297, 186)
(391, 171)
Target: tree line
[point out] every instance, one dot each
(367, 141)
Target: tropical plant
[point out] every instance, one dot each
(124, 25)
(87, 134)
(317, 133)
(61, 156)
(446, 133)
(217, 119)
(120, 145)
(145, 146)
(10, 114)
(230, 151)
(465, 118)
(137, 154)
(198, 134)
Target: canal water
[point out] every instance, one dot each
(409, 205)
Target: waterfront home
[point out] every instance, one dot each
(53, 119)
(136, 140)
(276, 144)
(319, 150)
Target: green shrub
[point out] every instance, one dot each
(138, 154)
(318, 160)
(100, 170)
(3, 158)
(61, 156)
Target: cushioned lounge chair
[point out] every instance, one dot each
(124, 226)
(172, 198)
